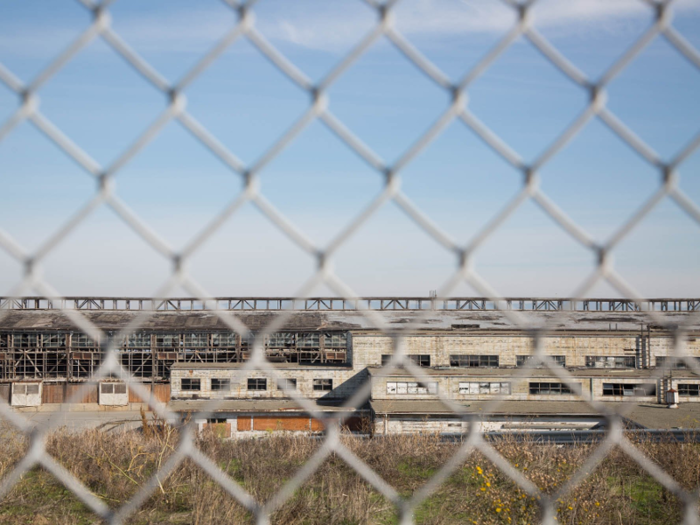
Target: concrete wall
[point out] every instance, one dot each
(407, 424)
(520, 388)
(368, 348)
(345, 382)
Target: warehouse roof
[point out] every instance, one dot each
(687, 415)
(442, 320)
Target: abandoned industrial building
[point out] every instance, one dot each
(185, 354)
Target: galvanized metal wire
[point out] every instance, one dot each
(176, 112)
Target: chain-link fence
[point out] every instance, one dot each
(176, 113)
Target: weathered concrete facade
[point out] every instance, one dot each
(309, 382)
(328, 354)
(368, 348)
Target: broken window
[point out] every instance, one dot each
(323, 384)
(27, 340)
(138, 340)
(280, 340)
(309, 340)
(54, 340)
(688, 390)
(224, 339)
(221, 384)
(196, 340)
(474, 361)
(411, 387)
(530, 361)
(168, 340)
(676, 362)
(484, 388)
(190, 384)
(257, 383)
(82, 341)
(599, 361)
(629, 389)
(422, 360)
(336, 340)
(550, 389)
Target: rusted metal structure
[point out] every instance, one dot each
(339, 304)
(73, 356)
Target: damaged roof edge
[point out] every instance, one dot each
(418, 321)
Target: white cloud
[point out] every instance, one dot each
(333, 27)
(326, 30)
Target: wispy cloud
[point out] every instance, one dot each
(333, 27)
(331, 30)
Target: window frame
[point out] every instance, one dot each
(421, 360)
(411, 388)
(467, 388)
(191, 382)
(591, 361)
(535, 388)
(635, 389)
(223, 384)
(323, 384)
(524, 360)
(256, 384)
(475, 361)
(688, 389)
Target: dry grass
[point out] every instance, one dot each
(114, 466)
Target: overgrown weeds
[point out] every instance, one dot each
(114, 466)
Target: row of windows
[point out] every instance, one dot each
(538, 388)
(253, 383)
(411, 388)
(598, 361)
(484, 388)
(530, 361)
(550, 388)
(474, 361)
(629, 389)
(675, 362)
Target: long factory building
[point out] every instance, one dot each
(470, 351)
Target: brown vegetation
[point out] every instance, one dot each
(115, 465)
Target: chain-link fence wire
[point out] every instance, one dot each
(244, 28)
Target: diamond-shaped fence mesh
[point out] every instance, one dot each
(176, 113)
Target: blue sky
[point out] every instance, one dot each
(176, 185)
